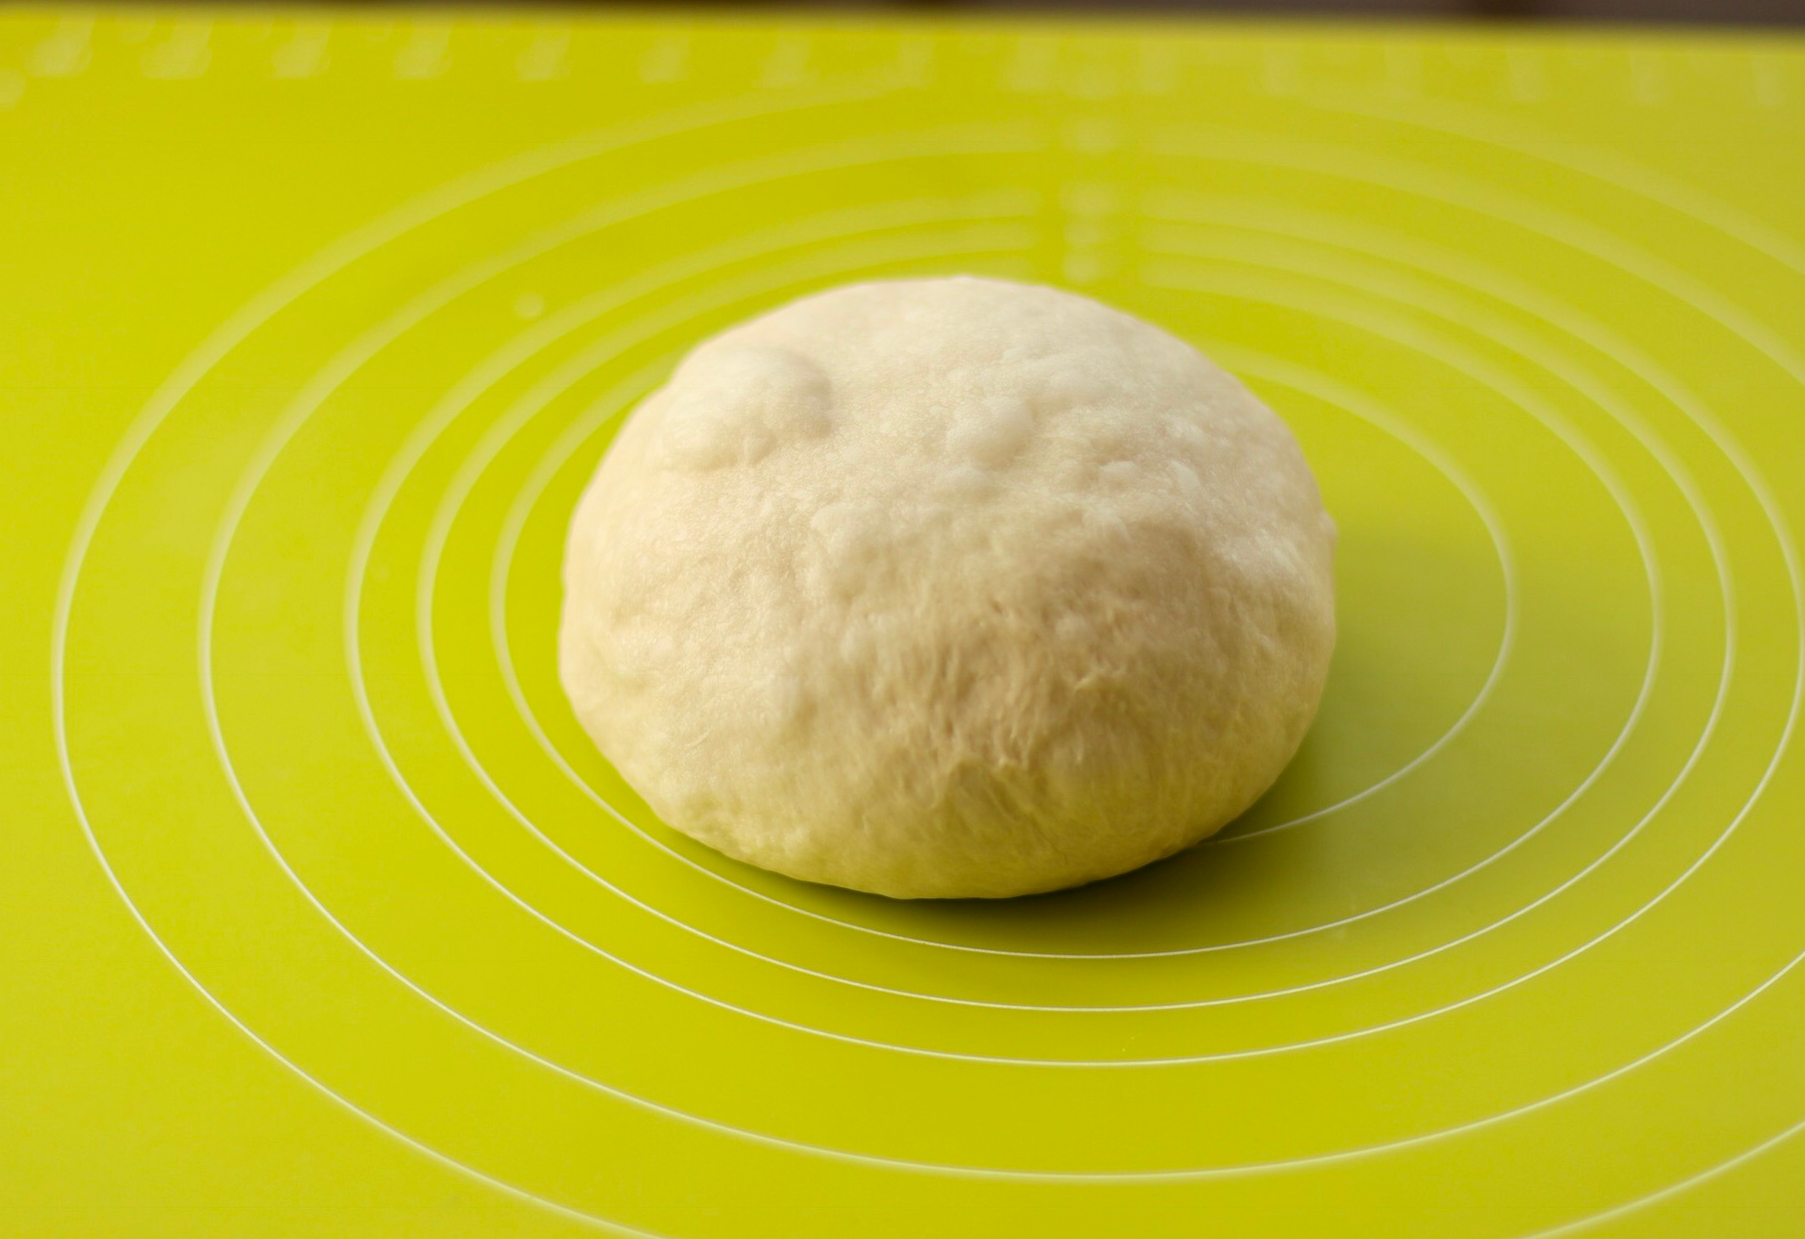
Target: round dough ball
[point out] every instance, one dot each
(949, 587)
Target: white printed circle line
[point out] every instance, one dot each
(233, 331)
(516, 521)
(1581, 1087)
(1727, 220)
(1766, 503)
(585, 428)
(529, 404)
(553, 460)
(542, 476)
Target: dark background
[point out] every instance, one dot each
(1726, 12)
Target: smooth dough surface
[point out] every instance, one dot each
(949, 587)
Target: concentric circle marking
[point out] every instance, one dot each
(1632, 1064)
(530, 405)
(461, 746)
(530, 496)
(1730, 222)
(512, 523)
(65, 605)
(1682, 772)
(1777, 524)
(426, 638)
(585, 429)
(224, 757)
(1405, 175)
(554, 462)
(559, 458)
(230, 333)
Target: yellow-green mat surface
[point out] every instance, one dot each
(319, 917)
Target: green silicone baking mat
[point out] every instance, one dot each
(321, 917)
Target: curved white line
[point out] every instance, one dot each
(541, 477)
(606, 410)
(1731, 222)
(66, 590)
(212, 350)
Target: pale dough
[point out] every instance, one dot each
(949, 587)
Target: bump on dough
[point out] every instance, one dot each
(949, 587)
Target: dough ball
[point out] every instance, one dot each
(949, 587)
